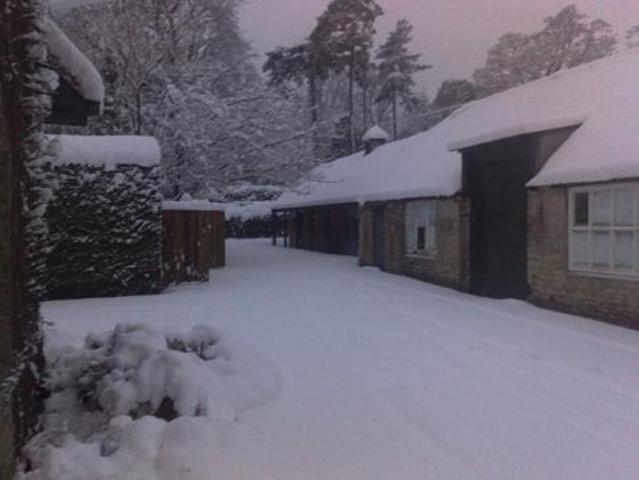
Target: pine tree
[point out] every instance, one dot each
(397, 68)
(342, 41)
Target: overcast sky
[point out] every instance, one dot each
(453, 35)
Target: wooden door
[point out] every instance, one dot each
(379, 238)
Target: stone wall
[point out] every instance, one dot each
(553, 285)
(448, 267)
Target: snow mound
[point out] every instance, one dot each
(115, 401)
(108, 151)
(150, 449)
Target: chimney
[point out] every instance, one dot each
(374, 138)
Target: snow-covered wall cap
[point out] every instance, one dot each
(105, 150)
(193, 206)
(376, 133)
(77, 69)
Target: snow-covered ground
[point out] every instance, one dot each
(383, 377)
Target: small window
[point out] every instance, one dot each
(604, 235)
(421, 227)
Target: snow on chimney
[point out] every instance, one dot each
(375, 137)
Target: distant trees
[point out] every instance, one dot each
(632, 37)
(568, 39)
(397, 69)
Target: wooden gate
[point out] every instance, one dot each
(193, 244)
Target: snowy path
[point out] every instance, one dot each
(388, 378)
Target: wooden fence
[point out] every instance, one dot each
(193, 244)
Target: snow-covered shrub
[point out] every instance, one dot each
(136, 370)
(101, 420)
(104, 230)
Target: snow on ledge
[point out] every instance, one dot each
(523, 128)
(193, 206)
(106, 151)
(82, 73)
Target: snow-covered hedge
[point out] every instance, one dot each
(103, 217)
(115, 401)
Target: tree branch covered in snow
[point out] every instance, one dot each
(180, 70)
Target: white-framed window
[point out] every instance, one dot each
(604, 229)
(421, 227)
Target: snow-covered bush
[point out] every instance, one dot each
(114, 399)
(136, 370)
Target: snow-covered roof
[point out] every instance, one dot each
(601, 98)
(418, 166)
(106, 151)
(76, 68)
(376, 133)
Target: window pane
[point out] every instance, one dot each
(579, 250)
(624, 207)
(581, 209)
(601, 249)
(601, 208)
(624, 251)
(421, 238)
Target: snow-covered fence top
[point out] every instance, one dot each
(78, 70)
(192, 206)
(105, 151)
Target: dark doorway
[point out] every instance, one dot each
(496, 178)
(379, 238)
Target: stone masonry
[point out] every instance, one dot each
(553, 284)
(449, 267)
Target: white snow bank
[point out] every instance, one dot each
(246, 211)
(78, 70)
(193, 206)
(105, 150)
(151, 449)
(418, 166)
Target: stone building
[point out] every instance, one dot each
(532, 193)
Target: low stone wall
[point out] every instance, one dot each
(449, 267)
(554, 285)
(105, 230)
